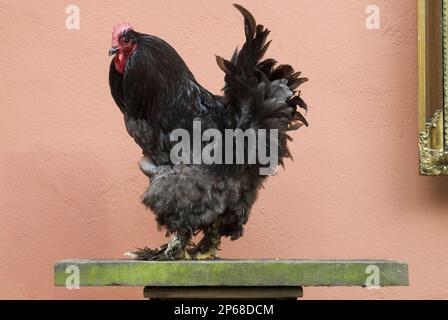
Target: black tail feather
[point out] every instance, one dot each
(261, 94)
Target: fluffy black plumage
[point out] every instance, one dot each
(157, 94)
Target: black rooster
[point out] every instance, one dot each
(157, 94)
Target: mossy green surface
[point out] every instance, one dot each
(231, 273)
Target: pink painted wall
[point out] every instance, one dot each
(70, 185)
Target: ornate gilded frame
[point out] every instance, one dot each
(433, 136)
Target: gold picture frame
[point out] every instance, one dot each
(433, 86)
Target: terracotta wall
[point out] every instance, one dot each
(70, 185)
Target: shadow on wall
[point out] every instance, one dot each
(438, 189)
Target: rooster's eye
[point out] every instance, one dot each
(126, 40)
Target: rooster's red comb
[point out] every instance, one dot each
(118, 30)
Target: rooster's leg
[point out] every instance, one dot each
(207, 248)
(176, 248)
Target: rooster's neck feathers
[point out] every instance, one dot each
(155, 80)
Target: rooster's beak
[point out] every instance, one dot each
(113, 51)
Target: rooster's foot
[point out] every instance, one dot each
(167, 252)
(211, 255)
(197, 254)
